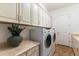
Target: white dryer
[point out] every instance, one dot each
(45, 38)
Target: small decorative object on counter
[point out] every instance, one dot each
(15, 39)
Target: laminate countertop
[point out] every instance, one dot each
(75, 41)
(15, 51)
(76, 37)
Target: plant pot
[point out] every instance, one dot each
(14, 41)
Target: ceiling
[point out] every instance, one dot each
(54, 6)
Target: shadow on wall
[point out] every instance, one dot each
(4, 32)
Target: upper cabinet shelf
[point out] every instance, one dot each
(24, 13)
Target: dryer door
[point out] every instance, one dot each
(48, 41)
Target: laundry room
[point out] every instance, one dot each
(39, 29)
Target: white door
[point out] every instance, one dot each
(8, 12)
(62, 25)
(25, 13)
(74, 16)
(34, 14)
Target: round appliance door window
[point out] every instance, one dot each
(48, 41)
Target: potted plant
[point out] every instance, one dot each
(15, 39)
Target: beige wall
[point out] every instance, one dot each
(4, 32)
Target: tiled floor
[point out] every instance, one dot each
(61, 50)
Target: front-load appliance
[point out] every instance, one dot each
(45, 38)
(53, 34)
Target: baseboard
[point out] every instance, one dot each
(63, 45)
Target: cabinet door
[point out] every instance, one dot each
(48, 21)
(44, 19)
(8, 12)
(34, 14)
(25, 13)
(76, 51)
(40, 14)
(33, 51)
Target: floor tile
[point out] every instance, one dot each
(61, 50)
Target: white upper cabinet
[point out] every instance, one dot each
(40, 18)
(44, 19)
(49, 23)
(8, 12)
(34, 14)
(47, 20)
(25, 13)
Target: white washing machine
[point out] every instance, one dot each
(52, 33)
(45, 37)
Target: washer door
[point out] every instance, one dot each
(48, 41)
(54, 37)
